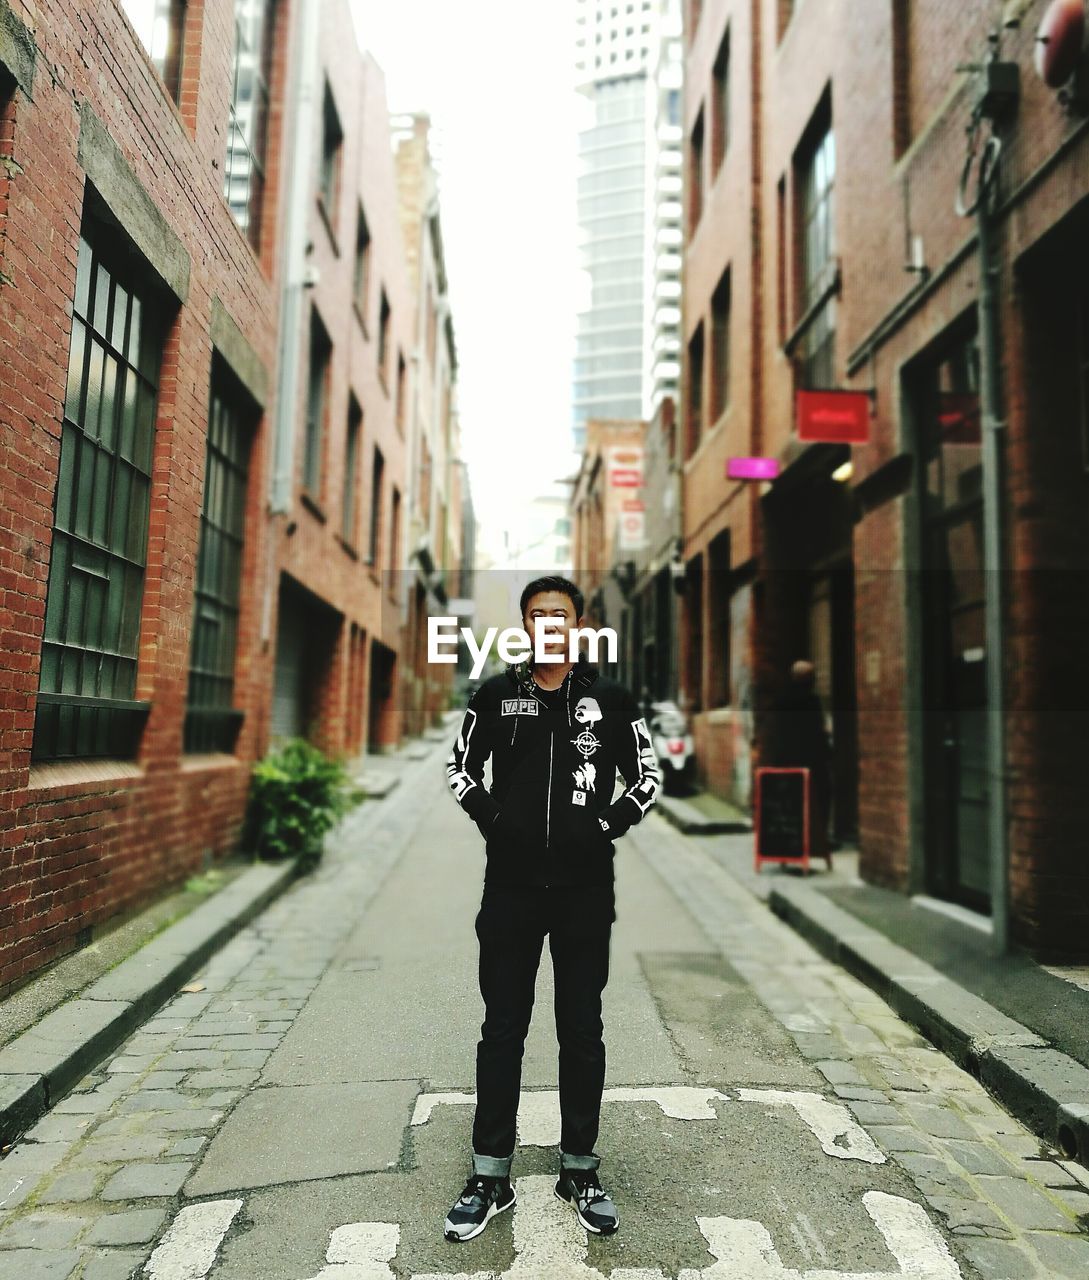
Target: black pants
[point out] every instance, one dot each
(511, 927)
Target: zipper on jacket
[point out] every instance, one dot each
(548, 800)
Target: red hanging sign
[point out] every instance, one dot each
(833, 417)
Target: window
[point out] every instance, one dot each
(816, 174)
(694, 417)
(383, 335)
(160, 24)
(332, 138)
(321, 350)
(86, 705)
(673, 107)
(786, 12)
(7, 145)
(693, 609)
(718, 620)
(720, 347)
(781, 258)
(423, 491)
(247, 127)
(720, 120)
(361, 282)
(402, 391)
(695, 174)
(211, 721)
(432, 327)
(377, 467)
(350, 503)
(394, 536)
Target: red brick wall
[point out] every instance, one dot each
(899, 110)
(80, 843)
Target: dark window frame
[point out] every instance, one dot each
(721, 319)
(693, 411)
(353, 438)
(212, 721)
(361, 278)
(378, 467)
(385, 316)
(720, 115)
(332, 147)
(87, 706)
(695, 172)
(815, 242)
(167, 62)
(248, 144)
(317, 406)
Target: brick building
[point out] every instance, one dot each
(341, 527)
(167, 382)
(138, 306)
(596, 507)
(433, 509)
(843, 264)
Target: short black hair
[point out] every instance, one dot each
(552, 582)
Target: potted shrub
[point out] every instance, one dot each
(297, 794)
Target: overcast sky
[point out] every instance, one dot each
(496, 77)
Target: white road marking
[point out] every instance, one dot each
(830, 1123)
(549, 1244)
(427, 1102)
(361, 1251)
(188, 1250)
(539, 1109)
(744, 1250)
(913, 1239)
(679, 1102)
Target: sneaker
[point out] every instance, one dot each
(481, 1200)
(581, 1189)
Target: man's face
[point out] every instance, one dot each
(559, 611)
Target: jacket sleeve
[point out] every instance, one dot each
(465, 765)
(639, 766)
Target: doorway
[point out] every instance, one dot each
(954, 645)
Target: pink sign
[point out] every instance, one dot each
(752, 468)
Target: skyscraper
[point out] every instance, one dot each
(614, 43)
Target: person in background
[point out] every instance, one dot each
(799, 741)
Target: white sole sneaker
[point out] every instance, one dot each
(578, 1214)
(451, 1233)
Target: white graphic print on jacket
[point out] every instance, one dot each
(645, 790)
(585, 775)
(457, 776)
(587, 713)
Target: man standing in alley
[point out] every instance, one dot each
(799, 740)
(556, 733)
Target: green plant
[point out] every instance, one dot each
(296, 795)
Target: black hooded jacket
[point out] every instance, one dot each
(549, 817)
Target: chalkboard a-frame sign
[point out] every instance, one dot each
(782, 826)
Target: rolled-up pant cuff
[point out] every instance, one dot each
(492, 1166)
(568, 1161)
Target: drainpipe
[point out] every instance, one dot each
(996, 102)
(297, 274)
(993, 428)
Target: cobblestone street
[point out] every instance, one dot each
(306, 1111)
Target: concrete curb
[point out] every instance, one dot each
(1045, 1089)
(691, 822)
(38, 1067)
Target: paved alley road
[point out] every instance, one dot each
(307, 1114)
